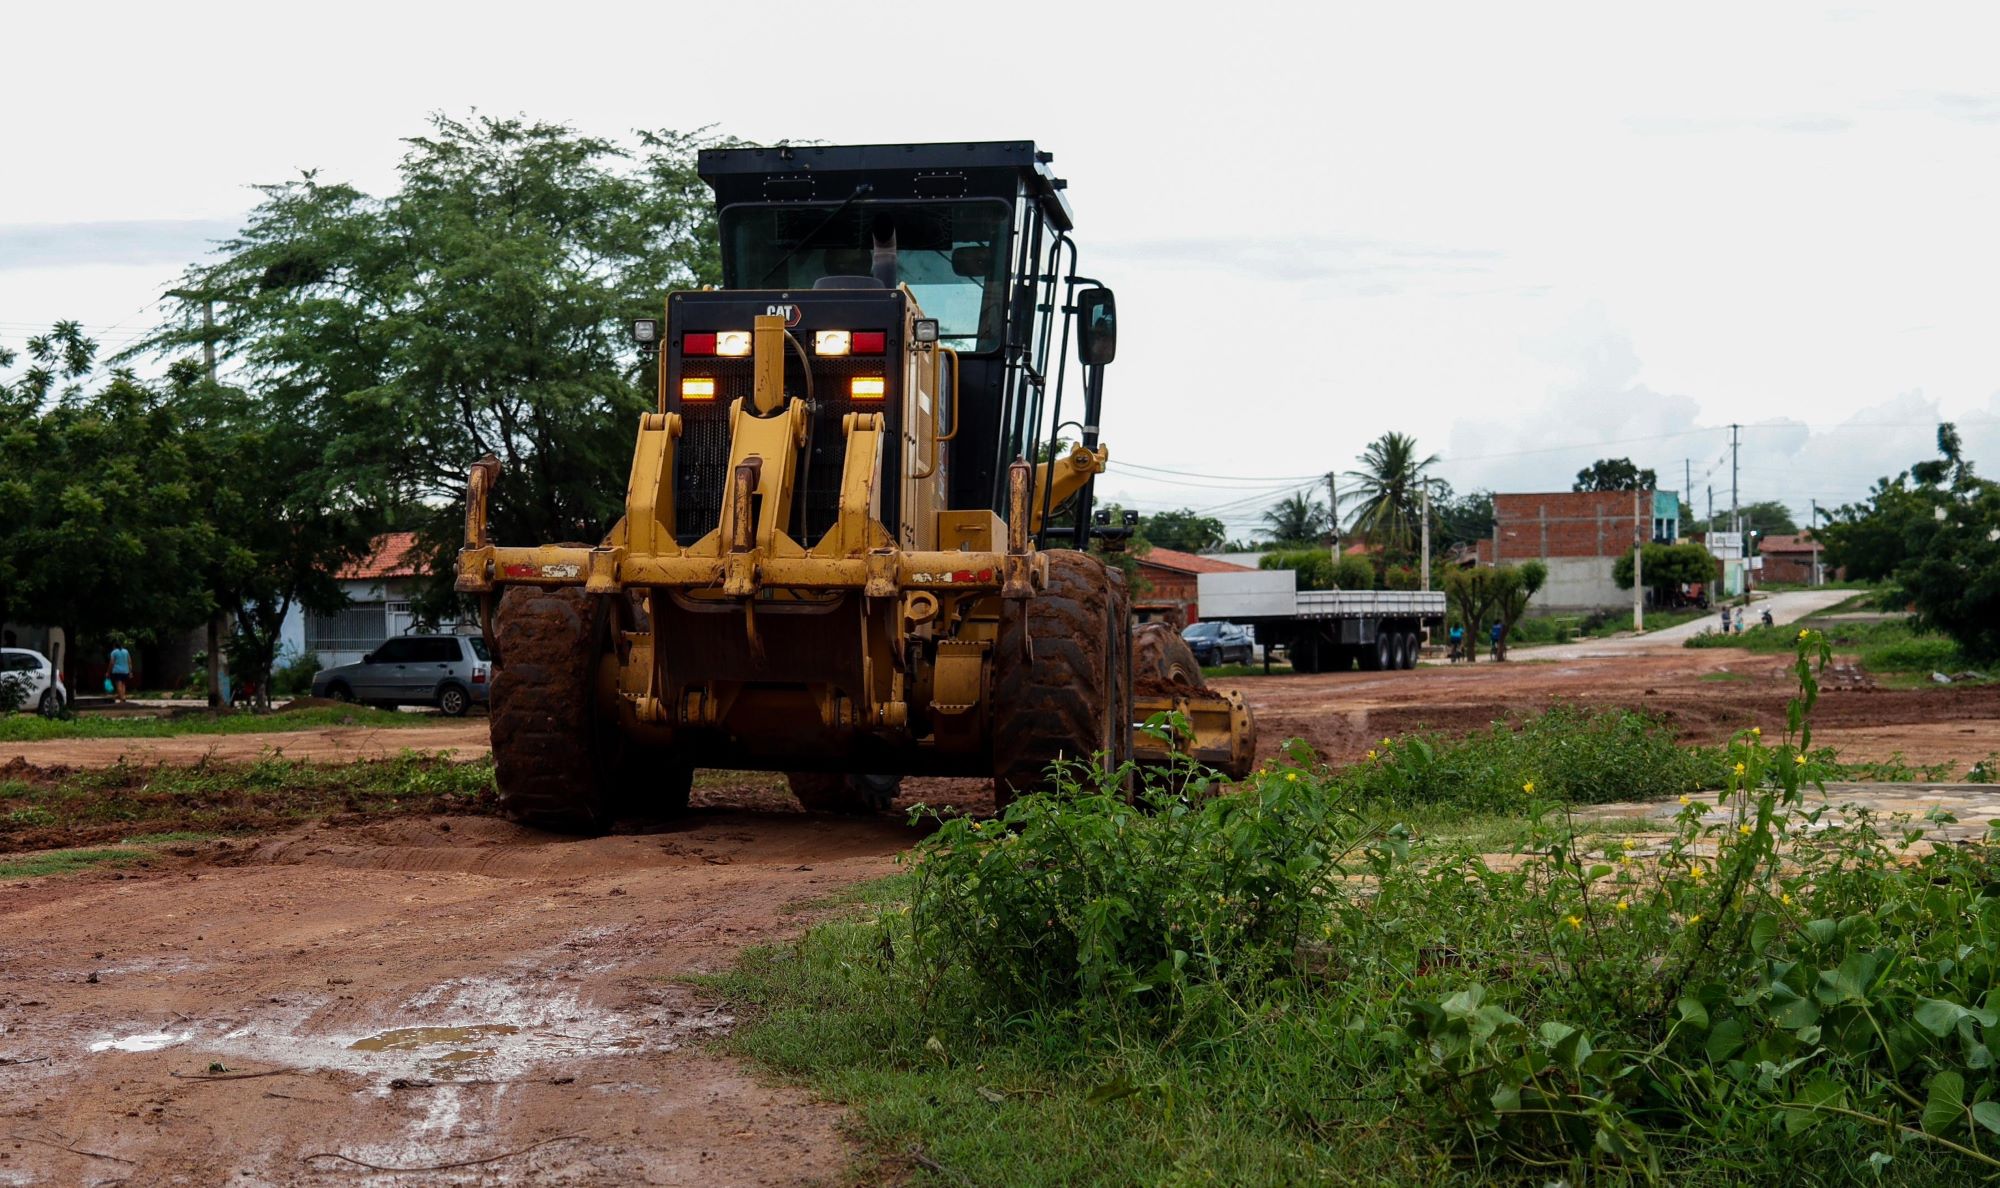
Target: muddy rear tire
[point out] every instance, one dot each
(1067, 697)
(559, 762)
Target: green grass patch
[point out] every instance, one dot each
(1293, 983)
(1885, 648)
(1245, 670)
(1721, 677)
(185, 803)
(54, 862)
(33, 728)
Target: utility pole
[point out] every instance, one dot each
(1638, 561)
(1735, 517)
(1812, 529)
(1425, 547)
(1333, 509)
(1687, 487)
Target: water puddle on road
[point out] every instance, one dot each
(150, 1042)
(405, 1039)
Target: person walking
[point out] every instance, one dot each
(1725, 620)
(1495, 634)
(121, 669)
(1457, 642)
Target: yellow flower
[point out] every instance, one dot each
(1802, 633)
(1758, 731)
(1293, 776)
(1528, 787)
(1785, 899)
(1799, 759)
(1697, 872)
(1694, 919)
(1624, 905)
(1624, 859)
(1371, 756)
(1385, 740)
(1739, 769)
(1576, 921)
(1744, 830)
(1631, 843)
(1685, 800)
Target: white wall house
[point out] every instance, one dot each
(378, 588)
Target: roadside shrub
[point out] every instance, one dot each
(1272, 985)
(1083, 892)
(1564, 755)
(294, 677)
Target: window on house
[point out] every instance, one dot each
(357, 627)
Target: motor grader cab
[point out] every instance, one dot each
(852, 545)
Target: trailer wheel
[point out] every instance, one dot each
(1066, 699)
(851, 795)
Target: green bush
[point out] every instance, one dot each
(294, 677)
(1566, 754)
(1274, 986)
(1317, 569)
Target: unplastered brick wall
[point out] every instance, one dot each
(1565, 524)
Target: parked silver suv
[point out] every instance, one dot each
(451, 672)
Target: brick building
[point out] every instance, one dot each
(1789, 558)
(1579, 535)
(1171, 578)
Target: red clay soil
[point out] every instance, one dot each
(422, 992)
(1706, 693)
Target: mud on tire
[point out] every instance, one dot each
(1162, 663)
(559, 763)
(1067, 699)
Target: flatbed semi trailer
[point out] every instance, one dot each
(1324, 630)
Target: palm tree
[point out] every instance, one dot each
(1390, 481)
(1298, 519)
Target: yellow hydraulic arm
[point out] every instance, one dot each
(1072, 472)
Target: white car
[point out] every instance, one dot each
(37, 678)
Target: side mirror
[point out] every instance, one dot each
(368, 657)
(1097, 327)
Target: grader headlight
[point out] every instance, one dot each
(867, 387)
(732, 344)
(832, 342)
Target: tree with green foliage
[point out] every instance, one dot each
(1298, 519)
(1186, 530)
(1934, 532)
(102, 491)
(480, 308)
(1481, 594)
(1765, 517)
(1390, 483)
(1615, 474)
(1668, 567)
(1318, 570)
(1459, 519)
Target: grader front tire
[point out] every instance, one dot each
(1066, 699)
(559, 763)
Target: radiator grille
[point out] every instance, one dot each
(702, 456)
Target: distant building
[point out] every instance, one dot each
(1171, 576)
(1789, 558)
(1579, 535)
(378, 588)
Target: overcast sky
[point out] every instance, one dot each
(1531, 235)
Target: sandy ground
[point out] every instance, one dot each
(427, 991)
(422, 992)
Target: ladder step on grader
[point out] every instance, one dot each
(855, 537)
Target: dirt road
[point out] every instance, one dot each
(422, 992)
(465, 738)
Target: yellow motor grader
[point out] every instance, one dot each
(855, 536)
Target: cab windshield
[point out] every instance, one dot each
(952, 255)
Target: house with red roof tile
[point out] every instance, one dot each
(379, 588)
(1170, 577)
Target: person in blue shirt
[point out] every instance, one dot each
(1495, 633)
(1457, 642)
(121, 668)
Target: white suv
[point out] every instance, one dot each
(40, 683)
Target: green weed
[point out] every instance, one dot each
(32, 728)
(1286, 984)
(52, 862)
